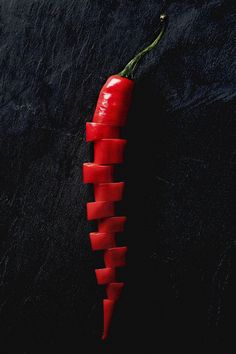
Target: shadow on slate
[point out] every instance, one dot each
(179, 169)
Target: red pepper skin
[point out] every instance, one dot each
(108, 308)
(104, 131)
(94, 173)
(96, 131)
(114, 290)
(98, 210)
(109, 151)
(105, 275)
(109, 191)
(101, 240)
(113, 224)
(115, 257)
(114, 101)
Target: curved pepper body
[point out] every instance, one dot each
(104, 131)
(114, 101)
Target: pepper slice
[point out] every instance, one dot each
(105, 275)
(96, 131)
(115, 257)
(113, 224)
(109, 151)
(98, 210)
(108, 308)
(114, 290)
(94, 173)
(109, 191)
(114, 101)
(101, 240)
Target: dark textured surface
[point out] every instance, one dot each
(54, 57)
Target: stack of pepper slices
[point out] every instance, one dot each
(104, 131)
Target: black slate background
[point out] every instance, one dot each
(54, 57)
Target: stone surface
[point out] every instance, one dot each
(180, 162)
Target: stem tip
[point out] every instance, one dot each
(163, 17)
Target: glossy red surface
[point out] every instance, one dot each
(109, 191)
(101, 240)
(109, 151)
(108, 308)
(96, 131)
(113, 290)
(113, 224)
(105, 275)
(114, 101)
(115, 257)
(104, 131)
(94, 173)
(98, 210)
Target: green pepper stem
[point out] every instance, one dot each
(131, 66)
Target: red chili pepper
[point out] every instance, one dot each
(110, 114)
